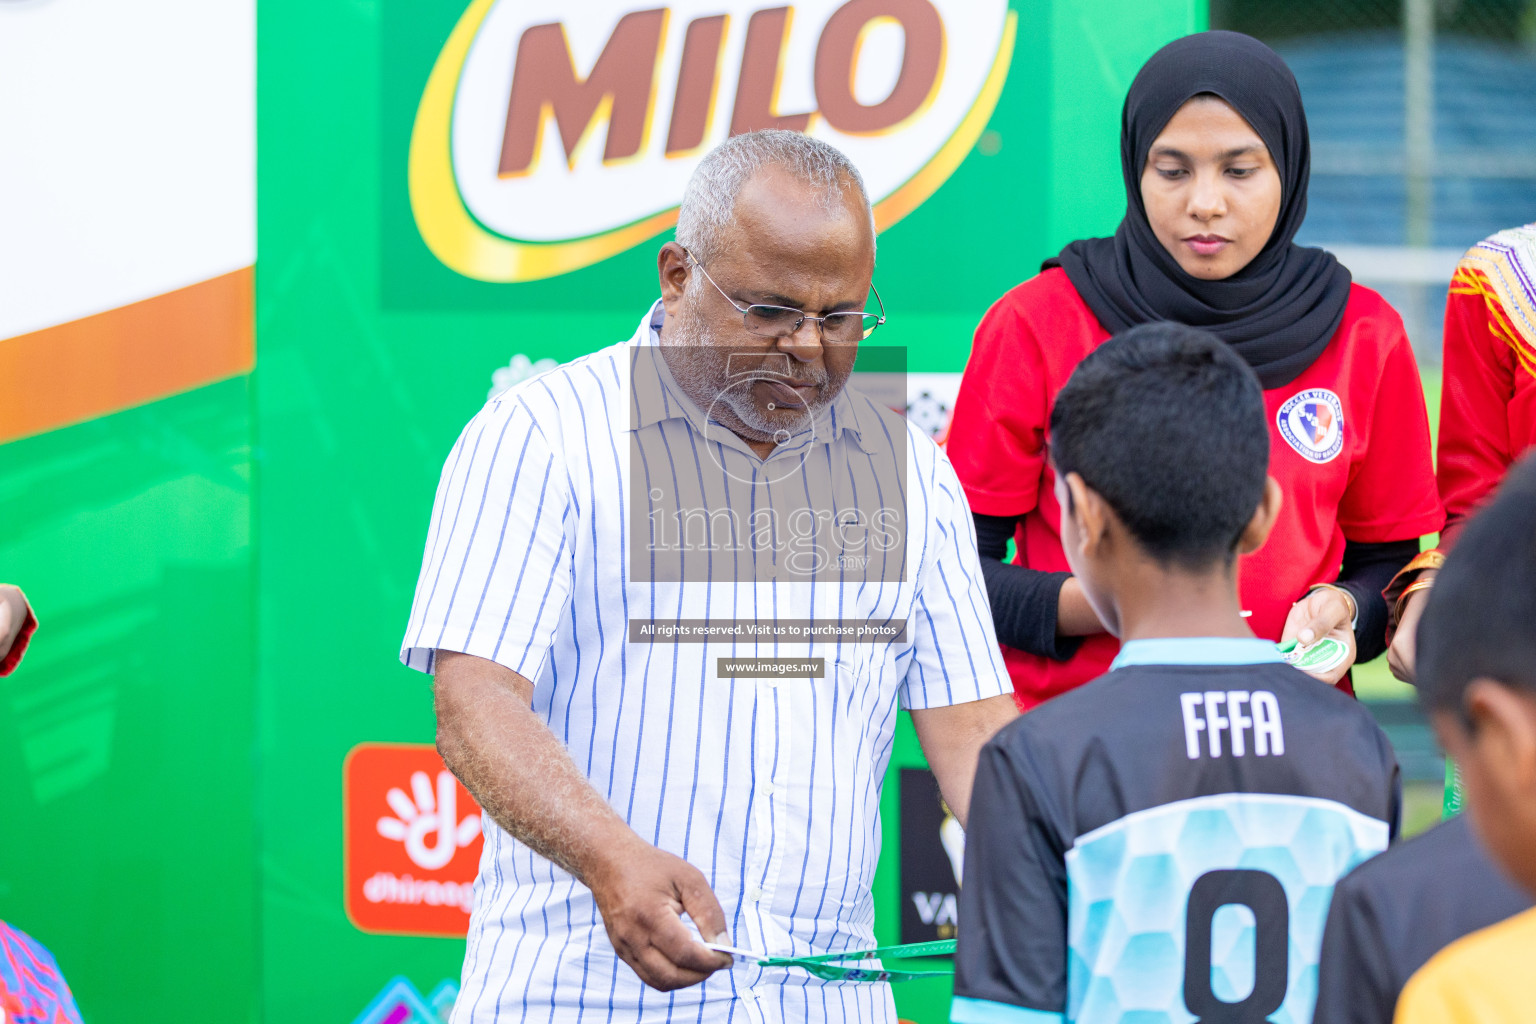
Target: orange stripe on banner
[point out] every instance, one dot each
(127, 356)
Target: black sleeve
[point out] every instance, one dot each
(1368, 568)
(1012, 936)
(1024, 601)
(1354, 976)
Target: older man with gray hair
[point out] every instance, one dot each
(673, 595)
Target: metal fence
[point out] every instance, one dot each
(1423, 118)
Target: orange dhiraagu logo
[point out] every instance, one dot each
(545, 142)
(413, 839)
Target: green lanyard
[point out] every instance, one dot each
(1455, 795)
(827, 968)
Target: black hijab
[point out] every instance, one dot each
(1280, 310)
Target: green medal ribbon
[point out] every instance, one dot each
(827, 968)
(1455, 795)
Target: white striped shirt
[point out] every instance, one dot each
(771, 787)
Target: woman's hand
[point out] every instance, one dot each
(1326, 611)
(1074, 615)
(1403, 651)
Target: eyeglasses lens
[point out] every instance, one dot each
(780, 322)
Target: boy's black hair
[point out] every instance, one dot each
(1168, 424)
(1481, 618)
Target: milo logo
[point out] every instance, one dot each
(547, 140)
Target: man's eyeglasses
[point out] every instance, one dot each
(781, 321)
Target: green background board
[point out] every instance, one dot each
(372, 356)
(126, 776)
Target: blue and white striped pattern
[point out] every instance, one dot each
(770, 787)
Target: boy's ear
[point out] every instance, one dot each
(1502, 724)
(1089, 511)
(1257, 531)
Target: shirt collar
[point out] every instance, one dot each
(1197, 650)
(656, 396)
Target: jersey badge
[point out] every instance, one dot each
(1312, 422)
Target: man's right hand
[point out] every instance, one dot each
(525, 780)
(642, 892)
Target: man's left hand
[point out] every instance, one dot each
(1324, 612)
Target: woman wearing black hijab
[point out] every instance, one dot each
(1215, 155)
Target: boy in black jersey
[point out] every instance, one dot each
(1477, 679)
(1162, 843)
(1394, 912)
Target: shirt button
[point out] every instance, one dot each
(769, 789)
(755, 895)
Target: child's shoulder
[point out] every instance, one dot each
(1117, 701)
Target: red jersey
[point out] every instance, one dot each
(1488, 405)
(1349, 446)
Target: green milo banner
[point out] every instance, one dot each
(231, 371)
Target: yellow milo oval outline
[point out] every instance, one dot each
(466, 247)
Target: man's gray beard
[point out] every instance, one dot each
(704, 377)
